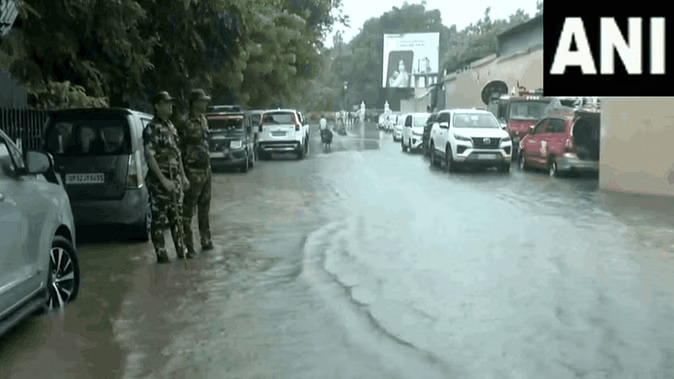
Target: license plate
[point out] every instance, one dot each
(278, 134)
(487, 156)
(97, 178)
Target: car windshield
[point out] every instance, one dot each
(527, 110)
(420, 121)
(279, 118)
(475, 120)
(88, 137)
(225, 122)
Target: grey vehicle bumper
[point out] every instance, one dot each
(231, 158)
(573, 163)
(126, 211)
(279, 147)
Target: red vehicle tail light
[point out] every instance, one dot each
(297, 124)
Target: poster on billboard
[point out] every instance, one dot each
(8, 13)
(410, 60)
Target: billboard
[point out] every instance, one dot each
(410, 60)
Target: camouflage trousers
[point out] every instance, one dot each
(167, 214)
(198, 196)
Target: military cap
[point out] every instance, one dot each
(198, 94)
(162, 96)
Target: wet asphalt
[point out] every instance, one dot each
(364, 262)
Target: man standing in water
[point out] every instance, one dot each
(197, 162)
(166, 178)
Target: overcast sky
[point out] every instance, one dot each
(459, 13)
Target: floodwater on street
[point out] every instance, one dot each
(364, 262)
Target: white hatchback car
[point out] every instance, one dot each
(413, 131)
(39, 268)
(469, 137)
(282, 131)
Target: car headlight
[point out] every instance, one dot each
(462, 138)
(236, 144)
(506, 139)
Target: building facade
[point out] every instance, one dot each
(636, 153)
(518, 61)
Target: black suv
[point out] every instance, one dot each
(231, 142)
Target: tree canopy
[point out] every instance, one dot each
(118, 52)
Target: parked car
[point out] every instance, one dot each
(99, 155)
(398, 128)
(427, 132)
(413, 131)
(281, 131)
(39, 267)
(252, 121)
(564, 142)
(231, 143)
(469, 137)
(381, 121)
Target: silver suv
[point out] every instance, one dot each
(39, 268)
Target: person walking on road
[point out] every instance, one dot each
(323, 123)
(166, 178)
(194, 135)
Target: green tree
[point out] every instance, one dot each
(123, 50)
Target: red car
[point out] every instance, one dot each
(566, 141)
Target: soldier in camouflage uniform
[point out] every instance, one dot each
(166, 178)
(194, 135)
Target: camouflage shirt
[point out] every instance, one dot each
(194, 135)
(162, 137)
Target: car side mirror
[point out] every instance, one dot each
(444, 125)
(37, 163)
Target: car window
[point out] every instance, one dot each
(443, 117)
(408, 121)
(5, 158)
(556, 125)
(279, 118)
(539, 128)
(88, 137)
(145, 121)
(10, 157)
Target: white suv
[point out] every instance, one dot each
(469, 137)
(282, 131)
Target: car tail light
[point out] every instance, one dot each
(569, 147)
(297, 124)
(135, 177)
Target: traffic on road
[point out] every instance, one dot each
(370, 260)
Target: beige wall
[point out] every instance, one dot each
(465, 90)
(637, 145)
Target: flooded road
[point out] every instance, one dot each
(363, 262)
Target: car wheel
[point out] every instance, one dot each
(449, 159)
(246, 165)
(141, 230)
(402, 145)
(432, 156)
(63, 281)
